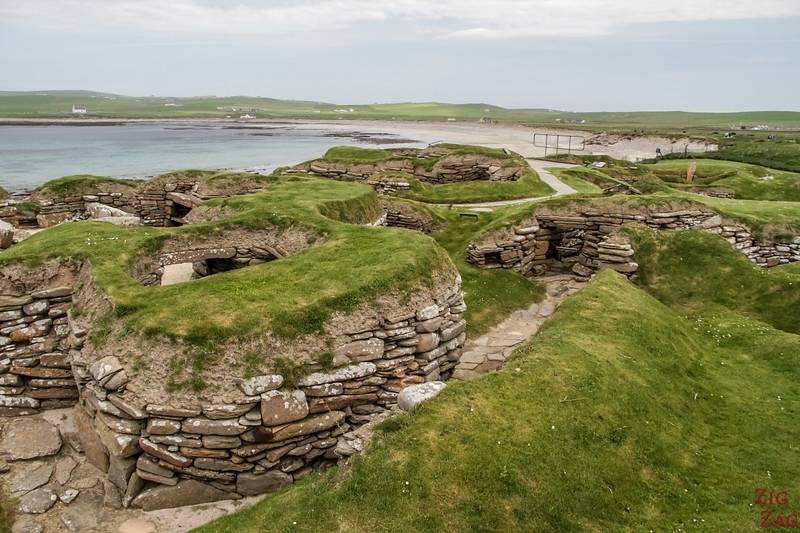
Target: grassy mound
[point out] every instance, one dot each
(712, 273)
(750, 182)
(80, 184)
(528, 186)
(354, 154)
(621, 415)
(354, 264)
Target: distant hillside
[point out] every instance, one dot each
(58, 104)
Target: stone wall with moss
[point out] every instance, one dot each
(587, 239)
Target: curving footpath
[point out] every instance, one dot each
(489, 352)
(545, 175)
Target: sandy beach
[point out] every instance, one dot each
(511, 136)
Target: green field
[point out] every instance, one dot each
(58, 104)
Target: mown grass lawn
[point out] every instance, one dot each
(621, 415)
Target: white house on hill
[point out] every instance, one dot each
(78, 109)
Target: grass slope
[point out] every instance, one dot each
(751, 182)
(621, 415)
(714, 274)
(355, 263)
(528, 186)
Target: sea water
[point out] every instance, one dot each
(32, 155)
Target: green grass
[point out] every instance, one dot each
(781, 151)
(583, 180)
(750, 182)
(527, 186)
(621, 415)
(58, 104)
(490, 294)
(354, 154)
(82, 184)
(353, 265)
(714, 274)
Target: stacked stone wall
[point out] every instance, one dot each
(269, 434)
(584, 242)
(35, 371)
(273, 435)
(449, 169)
(154, 202)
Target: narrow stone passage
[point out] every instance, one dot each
(489, 352)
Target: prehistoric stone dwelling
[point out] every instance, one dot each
(581, 239)
(64, 342)
(437, 164)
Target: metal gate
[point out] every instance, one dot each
(557, 141)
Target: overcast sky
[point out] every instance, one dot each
(712, 55)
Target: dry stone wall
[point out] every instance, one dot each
(586, 241)
(35, 371)
(158, 203)
(386, 176)
(163, 455)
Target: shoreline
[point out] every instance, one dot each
(515, 137)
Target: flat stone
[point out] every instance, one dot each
(38, 501)
(29, 438)
(120, 425)
(120, 470)
(261, 384)
(427, 342)
(311, 424)
(117, 444)
(13, 302)
(413, 396)
(177, 412)
(365, 350)
(133, 411)
(93, 447)
(278, 407)
(221, 441)
(163, 426)
(203, 426)
(41, 372)
(55, 292)
(28, 476)
(145, 464)
(222, 411)
(25, 524)
(85, 512)
(186, 492)
(105, 367)
(249, 484)
(360, 370)
(163, 453)
(63, 469)
(137, 525)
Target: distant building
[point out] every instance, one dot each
(78, 109)
(247, 116)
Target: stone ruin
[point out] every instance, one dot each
(586, 239)
(247, 436)
(162, 201)
(391, 175)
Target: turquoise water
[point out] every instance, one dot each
(31, 155)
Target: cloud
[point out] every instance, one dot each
(444, 19)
